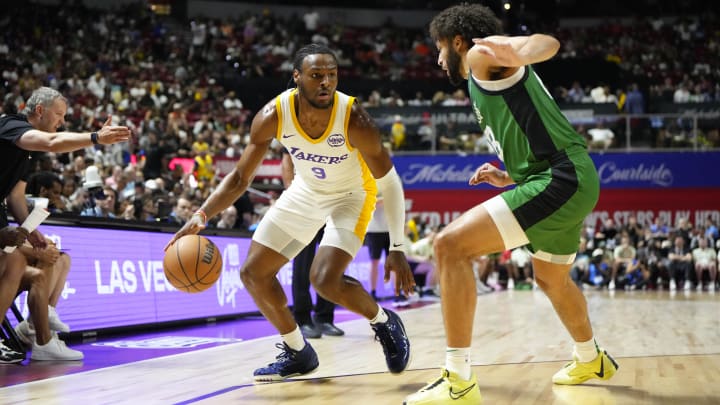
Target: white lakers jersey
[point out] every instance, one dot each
(326, 165)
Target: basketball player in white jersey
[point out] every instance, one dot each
(340, 165)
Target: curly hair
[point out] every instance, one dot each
(311, 49)
(467, 20)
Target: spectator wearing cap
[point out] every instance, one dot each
(599, 269)
(93, 185)
(597, 272)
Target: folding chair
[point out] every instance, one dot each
(8, 332)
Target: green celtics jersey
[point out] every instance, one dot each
(522, 122)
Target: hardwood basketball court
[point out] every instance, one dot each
(668, 348)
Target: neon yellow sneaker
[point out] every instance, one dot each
(575, 372)
(448, 389)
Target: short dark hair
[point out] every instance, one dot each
(311, 49)
(467, 20)
(42, 180)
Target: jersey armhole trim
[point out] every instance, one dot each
(278, 110)
(495, 87)
(346, 124)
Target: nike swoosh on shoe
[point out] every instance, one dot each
(460, 394)
(601, 374)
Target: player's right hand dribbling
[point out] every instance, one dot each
(193, 226)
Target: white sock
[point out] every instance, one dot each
(586, 351)
(457, 360)
(381, 316)
(294, 339)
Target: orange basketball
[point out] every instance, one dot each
(192, 264)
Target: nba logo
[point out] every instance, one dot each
(336, 140)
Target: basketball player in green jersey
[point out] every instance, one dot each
(556, 186)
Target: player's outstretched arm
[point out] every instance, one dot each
(516, 51)
(498, 57)
(59, 142)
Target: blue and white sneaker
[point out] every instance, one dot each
(290, 363)
(394, 341)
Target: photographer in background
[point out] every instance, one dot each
(104, 206)
(94, 205)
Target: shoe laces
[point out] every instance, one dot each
(285, 353)
(575, 360)
(445, 375)
(384, 336)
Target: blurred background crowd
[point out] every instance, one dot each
(169, 79)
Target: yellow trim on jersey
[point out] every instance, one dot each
(348, 111)
(370, 188)
(299, 128)
(278, 109)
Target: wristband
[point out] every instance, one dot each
(202, 214)
(94, 138)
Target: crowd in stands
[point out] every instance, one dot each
(628, 256)
(633, 256)
(674, 57)
(158, 76)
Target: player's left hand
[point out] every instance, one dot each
(404, 280)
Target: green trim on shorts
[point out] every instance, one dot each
(558, 232)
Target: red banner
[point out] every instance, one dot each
(270, 168)
(698, 204)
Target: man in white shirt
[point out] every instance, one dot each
(705, 258)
